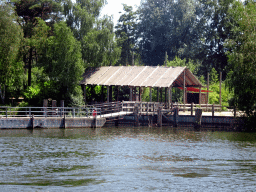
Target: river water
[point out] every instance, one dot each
(127, 159)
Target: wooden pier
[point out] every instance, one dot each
(126, 112)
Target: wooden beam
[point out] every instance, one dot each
(157, 94)
(208, 74)
(108, 94)
(130, 99)
(220, 86)
(150, 94)
(184, 87)
(200, 96)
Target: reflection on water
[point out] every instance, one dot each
(127, 159)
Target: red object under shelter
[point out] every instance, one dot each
(194, 89)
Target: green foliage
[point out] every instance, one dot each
(242, 56)
(10, 41)
(213, 76)
(62, 62)
(214, 96)
(95, 35)
(191, 65)
(125, 33)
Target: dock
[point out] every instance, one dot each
(125, 112)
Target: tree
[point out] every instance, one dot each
(168, 26)
(125, 33)
(216, 30)
(28, 12)
(95, 35)
(63, 64)
(10, 41)
(242, 57)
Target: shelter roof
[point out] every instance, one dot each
(140, 76)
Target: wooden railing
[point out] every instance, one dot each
(147, 107)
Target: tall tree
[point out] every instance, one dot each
(28, 12)
(168, 26)
(242, 57)
(95, 34)
(62, 62)
(125, 33)
(217, 30)
(10, 40)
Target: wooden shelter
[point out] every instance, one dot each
(141, 76)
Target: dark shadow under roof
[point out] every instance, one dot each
(140, 76)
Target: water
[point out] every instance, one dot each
(127, 159)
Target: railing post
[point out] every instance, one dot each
(29, 111)
(213, 110)
(73, 111)
(6, 111)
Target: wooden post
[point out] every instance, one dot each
(157, 94)
(159, 116)
(140, 91)
(184, 91)
(198, 118)
(102, 93)
(64, 121)
(130, 99)
(32, 121)
(136, 115)
(108, 94)
(208, 74)
(200, 96)
(161, 94)
(176, 117)
(84, 88)
(150, 94)
(220, 88)
(213, 110)
(169, 98)
(166, 100)
(117, 96)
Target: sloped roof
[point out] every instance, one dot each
(140, 76)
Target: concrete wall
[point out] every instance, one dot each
(23, 123)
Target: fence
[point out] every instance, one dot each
(49, 111)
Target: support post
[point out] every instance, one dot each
(150, 94)
(130, 99)
(157, 94)
(200, 96)
(208, 74)
(198, 118)
(213, 110)
(136, 115)
(220, 88)
(102, 93)
(161, 94)
(108, 94)
(32, 121)
(166, 100)
(176, 117)
(169, 98)
(84, 88)
(159, 116)
(184, 87)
